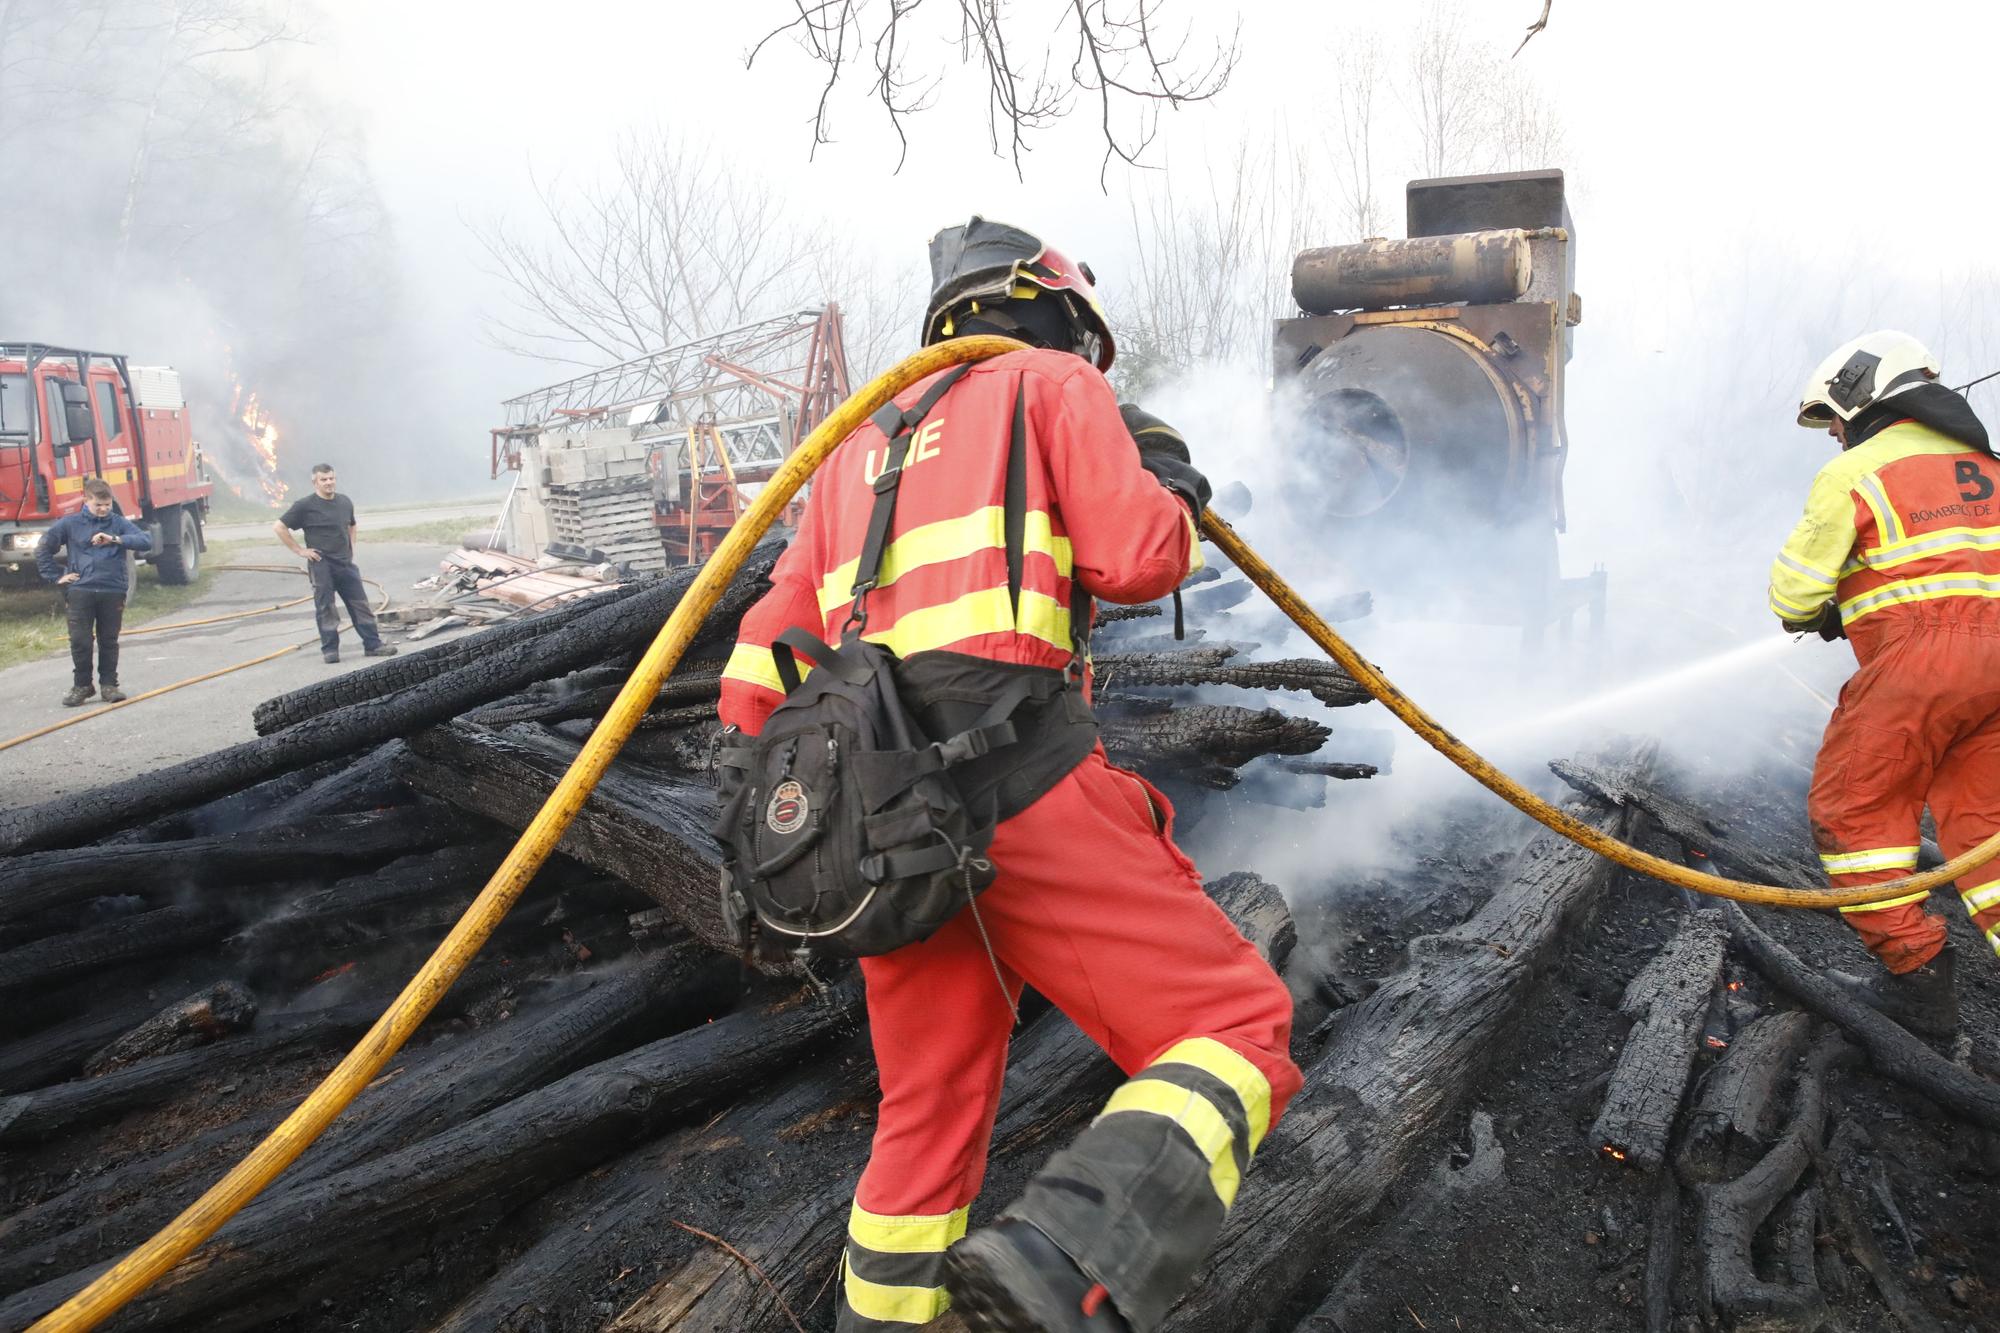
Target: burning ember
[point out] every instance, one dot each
(333, 972)
(1736, 985)
(1614, 1154)
(1715, 1043)
(261, 434)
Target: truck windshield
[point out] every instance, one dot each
(17, 409)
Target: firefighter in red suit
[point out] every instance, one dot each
(1899, 553)
(1094, 906)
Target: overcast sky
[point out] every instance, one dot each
(1708, 146)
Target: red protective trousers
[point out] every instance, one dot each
(1097, 910)
(1918, 724)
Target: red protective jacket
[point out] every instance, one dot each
(1092, 514)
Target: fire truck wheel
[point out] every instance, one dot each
(180, 553)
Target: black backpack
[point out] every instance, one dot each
(844, 832)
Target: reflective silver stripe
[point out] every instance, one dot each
(1921, 590)
(1979, 899)
(1790, 610)
(1873, 858)
(1797, 566)
(1884, 512)
(1958, 539)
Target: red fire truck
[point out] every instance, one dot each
(68, 415)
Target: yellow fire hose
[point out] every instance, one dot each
(139, 1269)
(1533, 806)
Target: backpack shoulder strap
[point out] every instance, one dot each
(1016, 503)
(896, 423)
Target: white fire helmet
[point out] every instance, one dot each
(1873, 367)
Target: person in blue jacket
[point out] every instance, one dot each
(94, 541)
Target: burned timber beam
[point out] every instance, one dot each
(1667, 1002)
(1393, 1066)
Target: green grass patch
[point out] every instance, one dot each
(32, 624)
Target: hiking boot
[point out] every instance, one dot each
(77, 694)
(1923, 1000)
(331, 657)
(379, 650)
(111, 694)
(1011, 1278)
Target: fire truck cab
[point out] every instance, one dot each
(67, 415)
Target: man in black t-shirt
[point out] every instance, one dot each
(327, 519)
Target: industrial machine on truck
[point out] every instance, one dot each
(67, 415)
(1425, 379)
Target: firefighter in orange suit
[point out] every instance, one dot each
(1094, 906)
(1899, 552)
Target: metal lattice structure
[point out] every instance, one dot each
(735, 403)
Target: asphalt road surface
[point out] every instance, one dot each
(200, 718)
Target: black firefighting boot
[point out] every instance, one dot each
(1923, 1000)
(1011, 1278)
(77, 694)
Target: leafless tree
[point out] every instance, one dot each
(1357, 80)
(1214, 261)
(1445, 82)
(1525, 131)
(675, 243)
(1121, 56)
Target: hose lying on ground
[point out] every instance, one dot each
(139, 1269)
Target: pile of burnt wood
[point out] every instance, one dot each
(610, 1123)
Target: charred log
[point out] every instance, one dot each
(446, 875)
(47, 1112)
(1341, 772)
(98, 949)
(43, 880)
(1213, 665)
(695, 683)
(1747, 853)
(378, 680)
(1358, 1300)
(1393, 1065)
(1667, 1002)
(358, 726)
(1733, 1119)
(58, 1052)
(265, 1262)
(1205, 743)
(218, 1011)
(1893, 1052)
(1731, 1215)
(650, 831)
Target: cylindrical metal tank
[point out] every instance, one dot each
(1472, 267)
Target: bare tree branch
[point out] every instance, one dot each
(1535, 27)
(1119, 61)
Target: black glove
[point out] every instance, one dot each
(1164, 453)
(1827, 624)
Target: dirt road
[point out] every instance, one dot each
(201, 717)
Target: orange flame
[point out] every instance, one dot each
(261, 434)
(1614, 1153)
(1716, 1043)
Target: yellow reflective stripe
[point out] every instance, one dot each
(1979, 899)
(1906, 591)
(66, 485)
(1886, 521)
(892, 1305)
(918, 1233)
(157, 470)
(1893, 902)
(754, 666)
(946, 540)
(1196, 560)
(1820, 578)
(1993, 934)
(1789, 610)
(1942, 542)
(988, 611)
(1874, 858)
(1194, 1114)
(1245, 1079)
